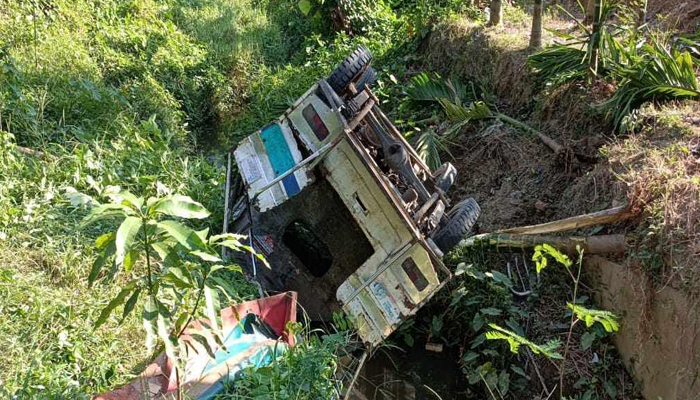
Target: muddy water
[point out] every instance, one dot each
(412, 374)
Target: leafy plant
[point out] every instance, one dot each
(427, 87)
(658, 74)
(515, 341)
(591, 51)
(429, 145)
(607, 319)
(543, 250)
(689, 43)
(165, 263)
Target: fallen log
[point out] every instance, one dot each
(590, 245)
(581, 221)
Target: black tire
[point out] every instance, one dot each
(350, 70)
(367, 79)
(461, 221)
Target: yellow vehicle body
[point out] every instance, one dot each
(399, 271)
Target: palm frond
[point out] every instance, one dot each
(689, 43)
(657, 75)
(461, 115)
(558, 64)
(569, 61)
(427, 87)
(428, 146)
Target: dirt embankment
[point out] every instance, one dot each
(656, 169)
(515, 177)
(681, 15)
(660, 337)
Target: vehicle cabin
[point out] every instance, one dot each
(343, 208)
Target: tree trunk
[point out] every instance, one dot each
(590, 11)
(608, 216)
(593, 62)
(590, 244)
(536, 34)
(496, 11)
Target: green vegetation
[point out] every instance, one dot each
(643, 63)
(127, 94)
(180, 285)
(99, 99)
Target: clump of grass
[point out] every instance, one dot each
(658, 162)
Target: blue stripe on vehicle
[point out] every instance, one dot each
(280, 156)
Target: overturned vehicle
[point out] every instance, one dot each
(343, 208)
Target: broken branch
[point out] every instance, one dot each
(580, 221)
(551, 143)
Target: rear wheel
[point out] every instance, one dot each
(350, 70)
(461, 221)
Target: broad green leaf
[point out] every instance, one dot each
(169, 340)
(211, 298)
(105, 239)
(149, 316)
(175, 277)
(130, 304)
(184, 235)
(163, 248)
(227, 236)
(470, 356)
(234, 245)
(519, 371)
(503, 382)
(127, 199)
(100, 261)
(501, 278)
(129, 260)
(206, 255)
(490, 311)
(305, 6)
(477, 322)
(125, 238)
(587, 340)
(103, 211)
(180, 206)
(116, 302)
(204, 342)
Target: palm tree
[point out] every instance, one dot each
(536, 34)
(590, 11)
(495, 18)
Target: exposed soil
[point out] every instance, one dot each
(513, 175)
(683, 15)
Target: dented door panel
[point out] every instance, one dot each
(386, 299)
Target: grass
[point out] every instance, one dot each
(142, 94)
(129, 93)
(111, 93)
(658, 163)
